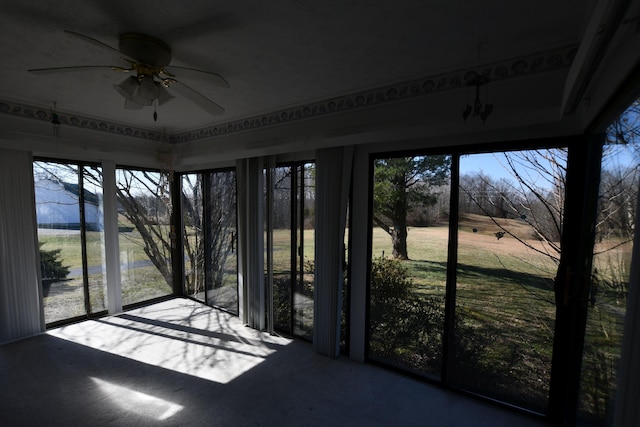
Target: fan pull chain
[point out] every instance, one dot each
(55, 120)
(155, 112)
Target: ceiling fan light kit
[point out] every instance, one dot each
(142, 90)
(479, 109)
(148, 57)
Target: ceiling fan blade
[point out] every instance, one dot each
(127, 88)
(163, 95)
(95, 42)
(193, 74)
(197, 98)
(78, 68)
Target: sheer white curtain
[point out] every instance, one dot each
(250, 184)
(269, 188)
(21, 312)
(111, 242)
(333, 180)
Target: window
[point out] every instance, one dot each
(210, 238)
(509, 226)
(193, 235)
(409, 261)
(465, 248)
(70, 235)
(610, 275)
(293, 248)
(144, 214)
(221, 241)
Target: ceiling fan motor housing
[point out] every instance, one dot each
(145, 49)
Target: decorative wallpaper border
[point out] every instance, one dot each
(44, 114)
(537, 63)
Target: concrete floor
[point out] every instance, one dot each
(182, 363)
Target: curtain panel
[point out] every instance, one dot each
(21, 311)
(333, 181)
(250, 199)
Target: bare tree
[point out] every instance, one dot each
(534, 196)
(221, 214)
(145, 199)
(483, 195)
(282, 198)
(209, 224)
(192, 231)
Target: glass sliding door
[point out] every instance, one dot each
(409, 241)
(509, 226)
(480, 305)
(144, 207)
(69, 216)
(293, 248)
(464, 252)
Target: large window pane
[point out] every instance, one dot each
(193, 235)
(221, 241)
(144, 205)
(94, 238)
(69, 215)
(283, 264)
(409, 262)
(210, 238)
(618, 197)
(58, 215)
(510, 216)
(303, 292)
(293, 248)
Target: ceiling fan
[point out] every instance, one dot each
(149, 59)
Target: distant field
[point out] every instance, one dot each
(480, 248)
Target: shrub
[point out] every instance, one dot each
(51, 266)
(405, 326)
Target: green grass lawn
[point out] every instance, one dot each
(65, 298)
(505, 302)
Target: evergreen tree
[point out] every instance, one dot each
(400, 185)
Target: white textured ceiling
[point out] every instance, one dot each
(275, 55)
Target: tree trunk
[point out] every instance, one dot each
(399, 240)
(399, 230)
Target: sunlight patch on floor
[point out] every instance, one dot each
(181, 335)
(137, 402)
